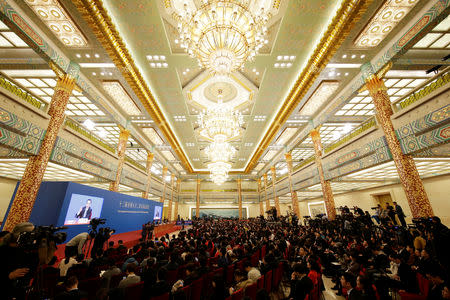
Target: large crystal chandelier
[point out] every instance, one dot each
(223, 34)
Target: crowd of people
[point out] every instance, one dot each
(365, 260)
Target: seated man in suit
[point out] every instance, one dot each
(72, 292)
(348, 282)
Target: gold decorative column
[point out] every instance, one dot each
(265, 192)
(275, 198)
(34, 172)
(261, 207)
(409, 176)
(164, 173)
(148, 169)
(175, 211)
(169, 209)
(326, 187)
(239, 197)
(121, 147)
(197, 202)
(294, 197)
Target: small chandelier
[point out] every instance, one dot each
(219, 171)
(220, 123)
(219, 154)
(223, 34)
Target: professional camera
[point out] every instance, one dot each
(423, 223)
(43, 240)
(95, 222)
(34, 239)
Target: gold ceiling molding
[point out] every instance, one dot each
(95, 14)
(346, 17)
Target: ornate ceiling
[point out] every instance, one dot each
(131, 51)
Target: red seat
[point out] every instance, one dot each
(212, 261)
(171, 277)
(240, 265)
(260, 282)
(278, 276)
(161, 297)
(268, 281)
(424, 287)
(230, 274)
(196, 289)
(187, 292)
(263, 251)
(238, 295)
(254, 260)
(251, 290)
(134, 291)
(91, 286)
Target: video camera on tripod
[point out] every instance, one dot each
(95, 222)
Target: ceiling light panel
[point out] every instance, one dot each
(168, 155)
(53, 172)
(121, 97)
(400, 83)
(14, 39)
(426, 168)
(299, 154)
(287, 134)
(58, 21)
(385, 19)
(110, 133)
(331, 132)
(154, 137)
(269, 155)
(138, 155)
(319, 97)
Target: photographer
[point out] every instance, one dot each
(17, 265)
(75, 245)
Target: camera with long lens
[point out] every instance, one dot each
(423, 223)
(95, 222)
(41, 236)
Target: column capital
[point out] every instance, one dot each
(124, 134)
(288, 156)
(150, 156)
(239, 180)
(164, 171)
(273, 169)
(265, 176)
(374, 84)
(315, 134)
(65, 83)
(198, 180)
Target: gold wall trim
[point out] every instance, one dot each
(96, 16)
(346, 17)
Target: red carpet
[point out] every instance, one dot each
(129, 238)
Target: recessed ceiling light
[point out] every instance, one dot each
(162, 57)
(257, 73)
(254, 70)
(344, 56)
(96, 55)
(78, 55)
(279, 57)
(93, 73)
(89, 124)
(176, 41)
(292, 57)
(353, 55)
(101, 73)
(88, 55)
(156, 57)
(276, 65)
(362, 56)
(346, 74)
(110, 74)
(152, 65)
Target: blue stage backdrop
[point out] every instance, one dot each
(73, 205)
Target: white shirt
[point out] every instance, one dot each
(63, 267)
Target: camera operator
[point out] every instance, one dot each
(16, 270)
(75, 245)
(440, 241)
(101, 238)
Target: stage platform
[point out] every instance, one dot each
(130, 238)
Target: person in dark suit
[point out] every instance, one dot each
(400, 214)
(301, 284)
(85, 211)
(157, 288)
(72, 292)
(348, 282)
